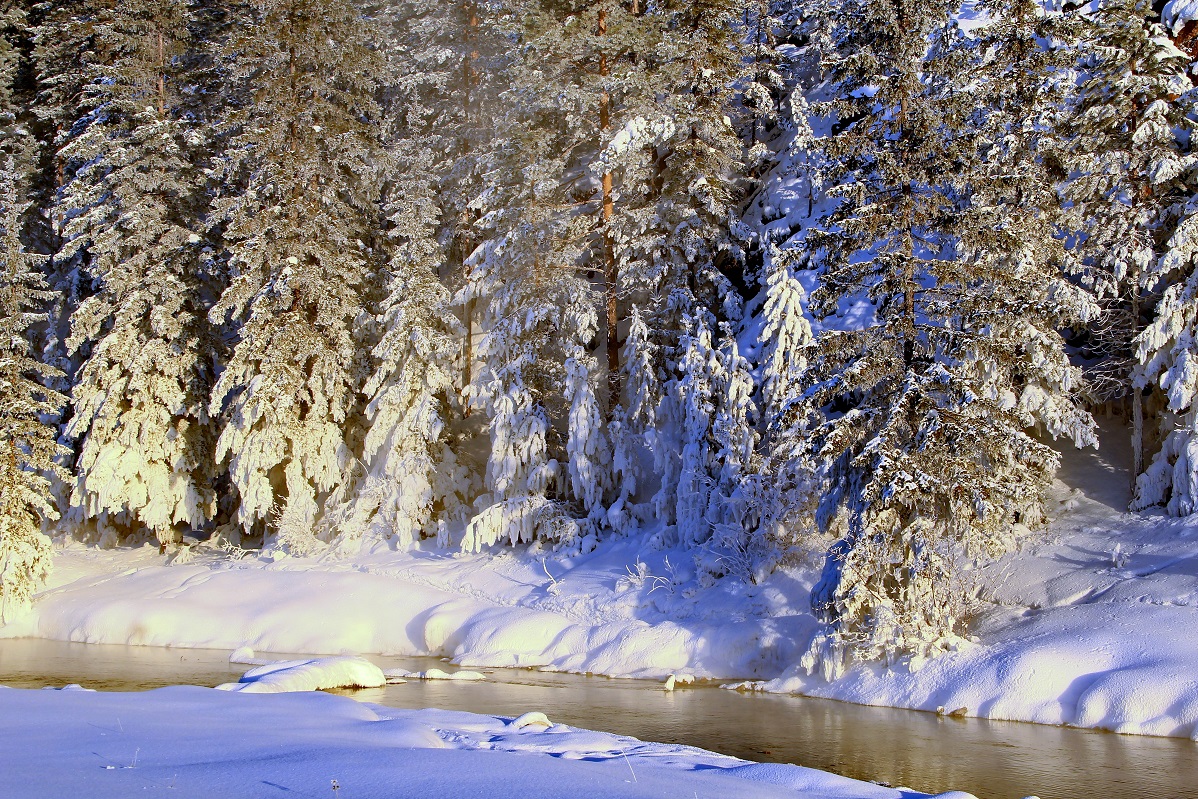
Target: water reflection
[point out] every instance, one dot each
(995, 760)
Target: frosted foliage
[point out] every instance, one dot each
(904, 600)
(518, 521)
(266, 429)
(785, 337)
(1179, 12)
(142, 433)
(699, 366)
(28, 448)
(1167, 353)
(586, 445)
(636, 415)
(403, 447)
(25, 552)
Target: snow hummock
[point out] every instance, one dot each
(1177, 13)
(317, 674)
(198, 742)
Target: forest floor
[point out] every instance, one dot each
(1090, 624)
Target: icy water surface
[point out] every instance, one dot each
(994, 760)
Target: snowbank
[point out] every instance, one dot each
(197, 742)
(318, 674)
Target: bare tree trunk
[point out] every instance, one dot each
(469, 76)
(610, 273)
(1137, 396)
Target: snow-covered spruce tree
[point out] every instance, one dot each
(1128, 167)
(785, 337)
(1011, 229)
(64, 47)
(1167, 356)
(133, 206)
(408, 472)
(920, 437)
(733, 548)
(536, 315)
(697, 369)
(448, 64)
(302, 175)
(634, 419)
(28, 447)
(432, 116)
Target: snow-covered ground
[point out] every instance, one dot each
(1091, 624)
(198, 742)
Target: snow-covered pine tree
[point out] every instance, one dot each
(920, 437)
(1167, 357)
(133, 206)
(29, 451)
(1127, 167)
(298, 214)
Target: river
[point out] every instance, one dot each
(994, 760)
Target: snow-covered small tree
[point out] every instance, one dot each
(397, 494)
(634, 418)
(734, 546)
(785, 337)
(29, 451)
(534, 316)
(587, 448)
(694, 388)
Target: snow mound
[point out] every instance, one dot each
(319, 674)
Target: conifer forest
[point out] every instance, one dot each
(746, 275)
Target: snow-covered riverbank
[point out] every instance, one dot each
(1091, 624)
(198, 742)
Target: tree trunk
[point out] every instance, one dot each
(465, 242)
(610, 273)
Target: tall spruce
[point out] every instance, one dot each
(1127, 168)
(134, 206)
(301, 204)
(910, 416)
(29, 452)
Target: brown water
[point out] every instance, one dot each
(994, 760)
